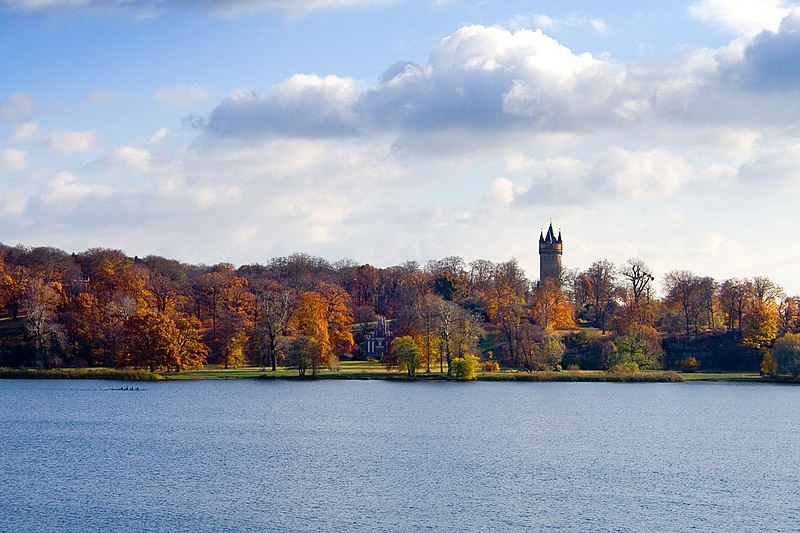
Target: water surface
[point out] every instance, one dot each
(383, 456)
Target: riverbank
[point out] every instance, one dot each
(366, 370)
(79, 373)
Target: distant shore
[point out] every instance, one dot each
(363, 370)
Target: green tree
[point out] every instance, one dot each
(407, 353)
(786, 353)
(552, 352)
(638, 349)
(304, 352)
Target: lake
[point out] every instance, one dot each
(383, 456)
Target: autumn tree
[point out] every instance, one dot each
(362, 284)
(166, 284)
(551, 308)
(338, 318)
(426, 316)
(191, 351)
(14, 288)
(310, 319)
(507, 309)
(465, 368)
(760, 318)
(149, 341)
(789, 315)
(467, 333)
(85, 318)
(235, 322)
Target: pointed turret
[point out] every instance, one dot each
(550, 237)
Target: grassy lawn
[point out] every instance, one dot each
(347, 370)
(721, 376)
(374, 370)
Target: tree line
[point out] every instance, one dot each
(102, 307)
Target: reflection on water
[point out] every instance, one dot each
(374, 455)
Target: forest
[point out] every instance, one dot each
(102, 308)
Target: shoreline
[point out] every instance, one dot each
(356, 370)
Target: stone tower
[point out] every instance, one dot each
(550, 249)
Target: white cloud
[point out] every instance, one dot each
(616, 173)
(503, 191)
(638, 174)
(742, 17)
(13, 202)
(160, 135)
(301, 105)
(66, 190)
(488, 81)
(540, 20)
(65, 141)
(772, 166)
(181, 96)
(17, 106)
(13, 159)
(24, 132)
(133, 158)
(466, 154)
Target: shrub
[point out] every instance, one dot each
(491, 366)
(690, 364)
(625, 367)
(573, 367)
(464, 368)
(768, 365)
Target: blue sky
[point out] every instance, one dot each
(385, 131)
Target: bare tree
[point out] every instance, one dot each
(274, 306)
(640, 277)
(683, 291)
(41, 303)
(602, 280)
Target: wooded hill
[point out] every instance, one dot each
(104, 308)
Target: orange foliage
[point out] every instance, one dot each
(551, 308)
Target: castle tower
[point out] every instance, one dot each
(550, 249)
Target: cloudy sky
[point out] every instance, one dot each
(383, 131)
